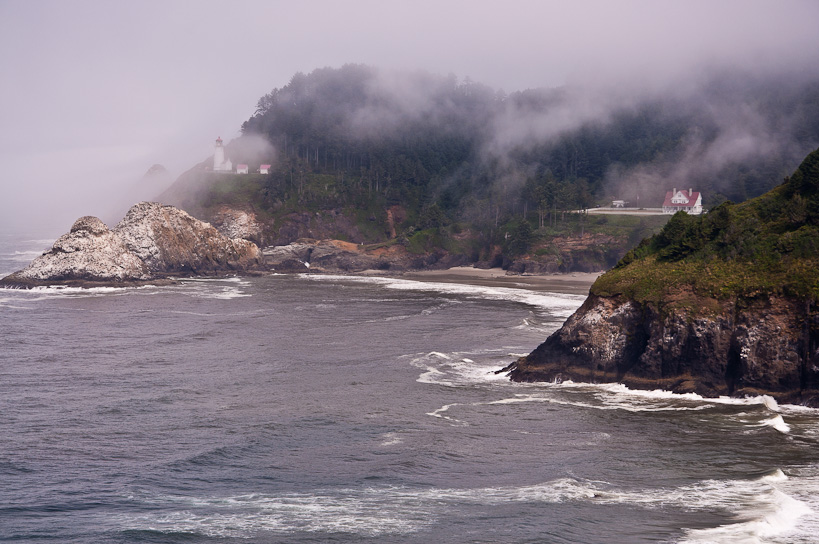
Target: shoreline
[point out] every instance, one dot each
(576, 283)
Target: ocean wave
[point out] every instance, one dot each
(227, 279)
(23, 256)
(43, 241)
(210, 288)
(459, 369)
(620, 396)
(440, 413)
(391, 439)
(225, 293)
(362, 512)
(766, 512)
(222, 288)
(16, 297)
(777, 423)
(557, 304)
(761, 509)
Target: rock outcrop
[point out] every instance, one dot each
(236, 223)
(770, 346)
(726, 303)
(151, 242)
(337, 256)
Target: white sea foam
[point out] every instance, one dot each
(777, 423)
(212, 288)
(12, 303)
(226, 288)
(558, 304)
(225, 279)
(226, 293)
(441, 413)
(458, 370)
(604, 402)
(762, 510)
(362, 512)
(773, 515)
(24, 256)
(620, 392)
(439, 354)
(58, 291)
(391, 439)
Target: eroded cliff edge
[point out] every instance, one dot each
(722, 304)
(152, 242)
(763, 346)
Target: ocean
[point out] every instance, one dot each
(308, 408)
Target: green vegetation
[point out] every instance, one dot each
(765, 246)
(456, 156)
(346, 136)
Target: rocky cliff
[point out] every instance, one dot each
(770, 346)
(151, 242)
(722, 304)
(336, 256)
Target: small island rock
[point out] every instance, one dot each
(153, 241)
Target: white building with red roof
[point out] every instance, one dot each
(264, 169)
(686, 201)
(241, 169)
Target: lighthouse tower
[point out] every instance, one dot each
(219, 162)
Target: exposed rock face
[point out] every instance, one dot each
(339, 256)
(235, 223)
(326, 255)
(152, 241)
(579, 253)
(764, 346)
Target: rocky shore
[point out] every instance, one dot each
(152, 242)
(336, 256)
(726, 303)
(749, 347)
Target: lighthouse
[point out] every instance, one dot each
(219, 162)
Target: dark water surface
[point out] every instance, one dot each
(338, 409)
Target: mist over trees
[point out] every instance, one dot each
(451, 150)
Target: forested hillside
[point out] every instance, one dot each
(453, 155)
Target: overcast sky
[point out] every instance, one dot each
(95, 92)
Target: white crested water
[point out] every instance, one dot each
(346, 409)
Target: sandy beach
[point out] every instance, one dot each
(574, 283)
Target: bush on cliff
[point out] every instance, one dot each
(765, 246)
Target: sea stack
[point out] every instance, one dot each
(152, 242)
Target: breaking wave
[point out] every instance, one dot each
(557, 304)
(761, 509)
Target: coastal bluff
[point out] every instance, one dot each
(726, 303)
(767, 346)
(152, 242)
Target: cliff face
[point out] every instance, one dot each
(721, 304)
(747, 347)
(152, 241)
(336, 256)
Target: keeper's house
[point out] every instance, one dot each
(687, 201)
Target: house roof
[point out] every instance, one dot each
(265, 166)
(692, 199)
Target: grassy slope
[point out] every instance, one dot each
(765, 246)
